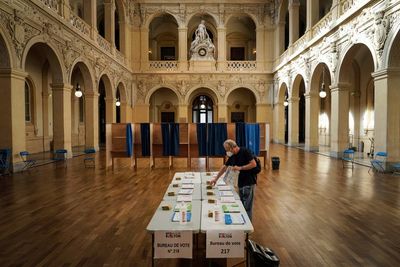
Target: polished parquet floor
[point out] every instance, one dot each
(312, 212)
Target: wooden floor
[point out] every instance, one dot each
(311, 212)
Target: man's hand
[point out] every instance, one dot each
(213, 181)
(236, 168)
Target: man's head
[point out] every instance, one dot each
(231, 147)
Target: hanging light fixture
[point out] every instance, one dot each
(78, 92)
(322, 92)
(285, 103)
(202, 105)
(118, 102)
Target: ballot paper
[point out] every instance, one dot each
(224, 188)
(237, 218)
(187, 186)
(185, 192)
(221, 182)
(176, 217)
(226, 199)
(226, 193)
(230, 208)
(184, 198)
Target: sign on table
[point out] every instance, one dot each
(225, 244)
(173, 244)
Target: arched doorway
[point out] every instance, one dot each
(163, 38)
(241, 105)
(241, 38)
(163, 105)
(202, 109)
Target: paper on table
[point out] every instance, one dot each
(221, 182)
(226, 199)
(187, 186)
(226, 193)
(184, 198)
(237, 218)
(224, 188)
(230, 208)
(185, 192)
(176, 217)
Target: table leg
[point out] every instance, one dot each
(152, 250)
(247, 250)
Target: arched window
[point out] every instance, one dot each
(202, 110)
(28, 103)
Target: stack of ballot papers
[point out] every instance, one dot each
(237, 218)
(184, 198)
(226, 193)
(230, 208)
(176, 217)
(185, 192)
(224, 188)
(179, 205)
(226, 199)
(187, 186)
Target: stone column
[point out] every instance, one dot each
(65, 9)
(280, 37)
(312, 13)
(135, 54)
(111, 110)
(260, 47)
(262, 112)
(62, 116)
(312, 116)
(339, 118)
(387, 113)
(279, 123)
(221, 61)
(293, 121)
(12, 113)
(90, 13)
(144, 45)
(109, 21)
(182, 57)
(223, 115)
(293, 21)
(183, 113)
(124, 111)
(92, 120)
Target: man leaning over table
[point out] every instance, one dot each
(241, 159)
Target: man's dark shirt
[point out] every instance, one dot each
(243, 157)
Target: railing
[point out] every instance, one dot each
(322, 25)
(300, 43)
(164, 65)
(103, 43)
(120, 57)
(241, 65)
(52, 4)
(80, 24)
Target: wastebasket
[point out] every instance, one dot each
(261, 256)
(275, 163)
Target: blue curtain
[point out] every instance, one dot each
(240, 132)
(129, 147)
(202, 138)
(174, 147)
(145, 138)
(217, 134)
(253, 138)
(165, 138)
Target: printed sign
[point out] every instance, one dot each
(173, 244)
(225, 244)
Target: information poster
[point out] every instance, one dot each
(173, 244)
(225, 244)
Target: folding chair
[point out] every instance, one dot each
(5, 155)
(89, 160)
(396, 168)
(29, 163)
(60, 155)
(378, 164)
(348, 158)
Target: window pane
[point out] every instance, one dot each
(203, 118)
(210, 116)
(195, 116)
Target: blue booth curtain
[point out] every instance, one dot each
(165, 139)
(217, 134)
(174, 137)
(202, 138)
(253, 138)
(145, 138)
(240, 133)
(129, 140)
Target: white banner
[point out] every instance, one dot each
(173, 244)
(225, 244)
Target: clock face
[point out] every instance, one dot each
(202, 52)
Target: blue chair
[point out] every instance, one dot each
(396, 168)
(378, 164)
(89, 160)
(5, 155)
(29, 163)
(348, 158)
(60, 155)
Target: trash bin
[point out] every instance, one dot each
(260, 256)
(275, 163)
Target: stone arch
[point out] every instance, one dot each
(122, 92)
(283, 9)
(283, 88)
(194, 91)
(316, 77)
(151, 18)
(88, 77)
(109, 90)
(296, 85)
(7, 54)
(202, 14)
(248, 87)
(245, 104)
(391, 51)
(119, 5)
(211, 25)
(53, 56)
(348, 53)
(157, 87)
(162, 99)
(247, 14)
